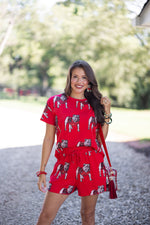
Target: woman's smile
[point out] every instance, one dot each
(79, 83)
(79, 86)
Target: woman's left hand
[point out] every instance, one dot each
(107, 104)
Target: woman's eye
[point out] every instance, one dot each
(74, 76)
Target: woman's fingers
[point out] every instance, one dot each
(105, 101)
(107, 104)
(42, 183)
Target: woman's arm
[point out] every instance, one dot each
(47, 146)
(107, 104)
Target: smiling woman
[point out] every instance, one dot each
(90, 88)
(79, 83)
(76, 117)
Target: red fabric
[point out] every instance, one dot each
(75, 122)
(104, 145)
(79, 155)
(81, 169)
(111, 174)
(40, 172)
(112, 190)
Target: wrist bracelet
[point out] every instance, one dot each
(110, 121)
(40, 172)
(107, 116)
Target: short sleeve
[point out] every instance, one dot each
(48, 115)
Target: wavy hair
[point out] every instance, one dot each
(93, 97)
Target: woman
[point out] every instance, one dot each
(75, 116)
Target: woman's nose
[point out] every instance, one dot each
(79, 79)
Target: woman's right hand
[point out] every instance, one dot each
(42, 183)
(47, 146)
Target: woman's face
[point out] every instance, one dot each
(79, 81)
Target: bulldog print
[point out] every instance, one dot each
(72, 122)
(82, 104)
(98, 191)
(86, 143)
(56, 124)
(56, 121)
(84, 171)
(61, 145)
(62, 170)
(98, 143)
(49, 188)
(107, 183)
(66, 190)
(60, 100)
(101, 169)
(92, 122)
(45, 113)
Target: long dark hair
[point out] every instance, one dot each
(93, 97)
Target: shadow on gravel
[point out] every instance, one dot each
(21, 202)
(140, 147)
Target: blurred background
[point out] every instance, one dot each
(39, 40)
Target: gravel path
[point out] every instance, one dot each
(21, 202)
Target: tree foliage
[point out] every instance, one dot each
(44, 42)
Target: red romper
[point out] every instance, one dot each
(79, 155)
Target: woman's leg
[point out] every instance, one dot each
(88, 204)
(50, 208)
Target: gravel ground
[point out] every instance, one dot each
(20, 199)
(21, 202)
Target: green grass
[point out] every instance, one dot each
(134, 123)
(144, 140)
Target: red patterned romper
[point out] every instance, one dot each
(79, 155)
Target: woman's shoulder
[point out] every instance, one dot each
(59, 97)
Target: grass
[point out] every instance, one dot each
(134, 123)
(144, 140)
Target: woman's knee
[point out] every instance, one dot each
(88, 215)
(47, 217)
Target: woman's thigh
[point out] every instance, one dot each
(52, 203)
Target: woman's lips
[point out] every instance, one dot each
(79, 86)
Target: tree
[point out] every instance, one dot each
(43, 45)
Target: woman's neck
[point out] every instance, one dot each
(77, 96)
